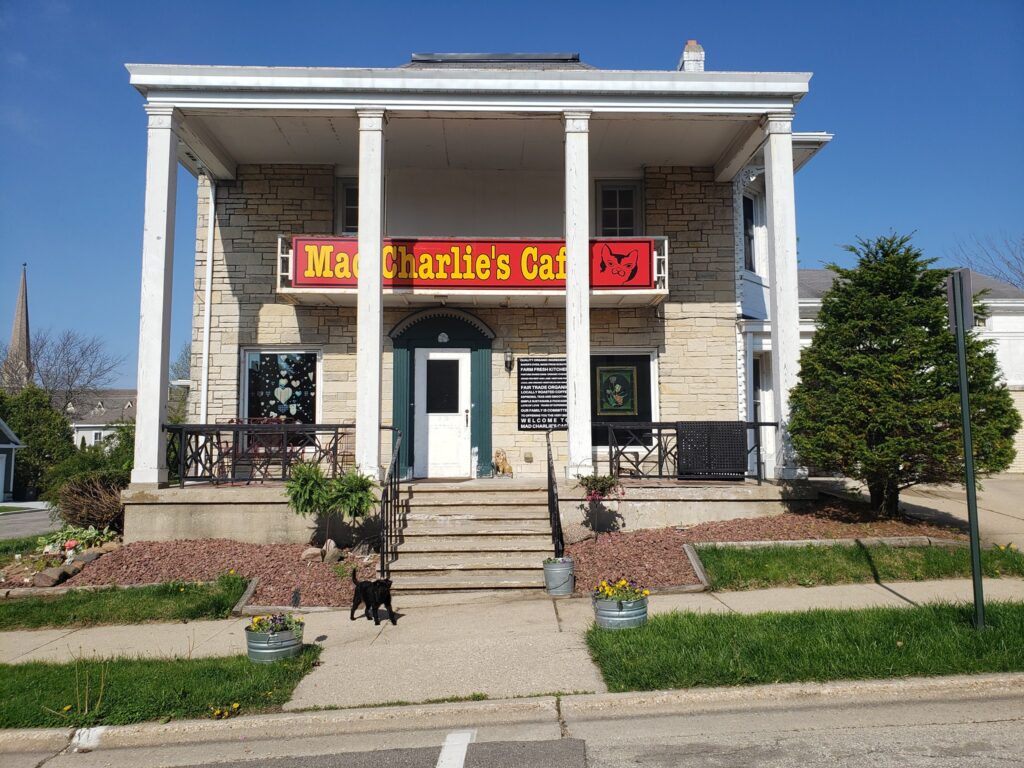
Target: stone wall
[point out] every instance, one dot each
(693, 333)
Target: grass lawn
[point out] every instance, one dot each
(8, 508)
(20, 546)
(134, 690)
(732, 568)
(684, 650)
(132, 605)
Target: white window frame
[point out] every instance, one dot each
(341, 184)
(637, 185)
(274, 349)
(759, 242)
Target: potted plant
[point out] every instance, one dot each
(620, 604)
(601, 495)
(312, 494)
(270, 637)
(559, 578)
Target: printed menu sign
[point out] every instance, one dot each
(542, 393)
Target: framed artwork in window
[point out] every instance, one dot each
(615, 390)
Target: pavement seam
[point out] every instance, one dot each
(558, 616)
(722, 602)
(563, 727)
(66, 634)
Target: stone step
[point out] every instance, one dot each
(537, 543)
(440, 526)
(492, 512)
(448, 498)
(468, 561)
(473, 580)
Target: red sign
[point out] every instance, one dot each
(472, 264)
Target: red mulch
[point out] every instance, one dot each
(277, 565)
(655, 557)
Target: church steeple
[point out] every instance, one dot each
(17, 368)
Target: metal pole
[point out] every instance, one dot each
(965, 415)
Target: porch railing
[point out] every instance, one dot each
(686, 450)
(390, 518)
(555, 517)
(255, 450)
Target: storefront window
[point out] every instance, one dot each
(620, 391)
(281, 385)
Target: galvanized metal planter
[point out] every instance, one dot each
(268, 647)
(558, 577)
(616, 614)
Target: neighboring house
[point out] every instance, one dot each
(9, 446)
(546, 244)
(1004, 326)
(95, 416)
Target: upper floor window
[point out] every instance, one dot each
(346, 207)
(618, 212)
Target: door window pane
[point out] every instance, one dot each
(442, 386)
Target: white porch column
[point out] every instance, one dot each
(369, 320)
(155, 306)
(577, 291)
(782, 275)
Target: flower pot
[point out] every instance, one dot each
(616, 614)
(559, 578)
(268, 647)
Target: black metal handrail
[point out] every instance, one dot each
(255, 450)
(652, 449)
(554, 515)
(390, 490)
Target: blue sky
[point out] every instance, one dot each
(926, 100)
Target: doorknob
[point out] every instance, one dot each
(467, 417)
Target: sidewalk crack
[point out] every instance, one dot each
(721, 602)
(558, 616)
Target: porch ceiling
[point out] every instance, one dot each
(619, 143)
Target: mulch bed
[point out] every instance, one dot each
(278, 567)
(655, 557)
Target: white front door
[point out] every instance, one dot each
(442, 446)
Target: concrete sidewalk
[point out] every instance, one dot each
(456, 646)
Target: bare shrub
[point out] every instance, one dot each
(93, 498)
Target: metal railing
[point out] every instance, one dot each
(390, 519)
(686, 450)
(555, 517)
(255, 450)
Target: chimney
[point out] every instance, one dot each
(692, 59)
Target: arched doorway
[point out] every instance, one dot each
(442, 393)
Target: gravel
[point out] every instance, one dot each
(653, 558)
(278, 567)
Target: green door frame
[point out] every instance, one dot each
(459, 329)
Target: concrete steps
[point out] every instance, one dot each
(460, 537)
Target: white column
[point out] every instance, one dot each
(369, 320)
(577, 291)
(155, 306)
(782, 276)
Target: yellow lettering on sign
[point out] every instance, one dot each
(467, 273)
(560, 258)
(342, 267)
(318, 260)
(483, 266)
(456, 267)
(426, 267)
(355, 266)
(529, 262)
(547, 267)
(408, 263)
(504, 270)
(388, 266)
(443, 262)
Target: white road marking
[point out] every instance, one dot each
(87, 739)
(453, 751)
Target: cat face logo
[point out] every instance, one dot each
(622, 265)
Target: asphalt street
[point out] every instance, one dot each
(31, 523)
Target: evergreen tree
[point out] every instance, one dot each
(878, 396)
(43, 429)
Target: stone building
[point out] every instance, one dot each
(640, 214)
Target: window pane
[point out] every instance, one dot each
(608, 198)
(626, 222)
(748, 233)
(282, 386)
(442, 386)
(609, 221)
(626, 198)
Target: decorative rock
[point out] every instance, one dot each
(50, 577)
(332, 554)
(313, 553)
(88, 556)
(73, 568)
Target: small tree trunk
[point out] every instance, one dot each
(885, 497)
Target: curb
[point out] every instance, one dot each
(563, 710)
(697, 565)
(868, 541)
(246, 596)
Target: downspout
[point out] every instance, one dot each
(204, 380)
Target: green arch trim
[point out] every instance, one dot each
(422, 329)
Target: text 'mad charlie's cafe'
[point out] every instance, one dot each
(472, 250)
